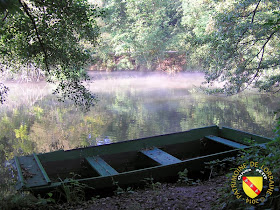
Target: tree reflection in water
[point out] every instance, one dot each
(131, 105)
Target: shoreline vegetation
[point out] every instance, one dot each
(170, 62)
(235, 42)
(174, 63)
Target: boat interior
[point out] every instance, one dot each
(113, 164)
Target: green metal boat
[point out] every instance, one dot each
(130, 162)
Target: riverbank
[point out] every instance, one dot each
(165, 196)
(159, 196)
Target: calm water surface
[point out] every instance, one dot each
(131, 105)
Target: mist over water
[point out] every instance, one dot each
(131, 105)
(172, 103)
(146, 81)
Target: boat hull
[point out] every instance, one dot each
(130, 162)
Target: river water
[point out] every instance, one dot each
(131, 105)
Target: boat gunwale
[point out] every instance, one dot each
(83, 152)
(154, 140)
(219, 129)
(139, 139)
(244, 133)
(149, 169)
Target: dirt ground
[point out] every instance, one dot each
(164, 196)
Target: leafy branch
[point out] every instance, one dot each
(27, 11)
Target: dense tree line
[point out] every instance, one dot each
(236, 42)
(55, 36)
(233, 41)
(141, 29)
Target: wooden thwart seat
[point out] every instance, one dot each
(227, 142)
(160, 156)
(100, 166)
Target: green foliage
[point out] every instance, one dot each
(56, 37)
(21, 133)
(7, 6)
(72, 190)
(17, 201)
(220, 167)
(119, 190)
(243, 45)
(267, 155)
(124, 64)
(38, 111)
(236, 42)
(149, 182)
(25, 200)
(142, 30)
(184, 179)
(45, 201)
(84, 141)
(23, 144)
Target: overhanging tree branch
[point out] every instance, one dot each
(255, 10)
(252, 21)
(26, 10)
(6, 15)
(42, 33)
